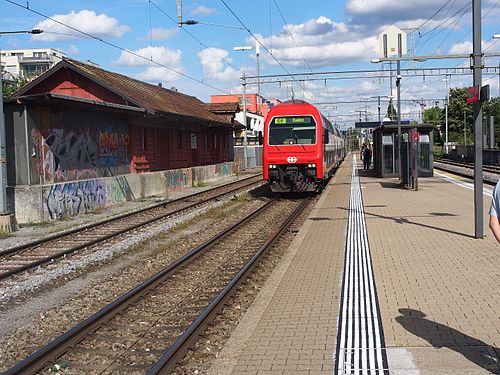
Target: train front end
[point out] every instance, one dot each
(293, 148)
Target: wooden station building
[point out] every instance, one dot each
(78, 121)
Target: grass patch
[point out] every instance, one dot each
(35, 224)
(4, 235)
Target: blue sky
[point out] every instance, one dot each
(316, 35)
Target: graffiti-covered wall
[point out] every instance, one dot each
(56, 201)
(71, 145)
(73, 198)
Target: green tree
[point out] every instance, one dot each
(391, 111)
(457, 108)
(11, 86)
(434, 116)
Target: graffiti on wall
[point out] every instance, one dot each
(75, 155)
(177, 179)
(119, 190)
(73, 198)
(223, 169)
(71, 151)
(113, 146)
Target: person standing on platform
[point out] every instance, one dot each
(361, 151)
(367, 158)
(495, 212)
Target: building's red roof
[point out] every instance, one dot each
(230, 107)
(153, 98)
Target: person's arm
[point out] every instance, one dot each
(495, 227)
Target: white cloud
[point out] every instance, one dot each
(321, 42)
(461, 48)
(162, 55)
(159, 34)
(153, 72)
(156, 74)
(85, 20)
(202, 10)
(213, 66)
(73, 50)
(466, 47)
(369, 14)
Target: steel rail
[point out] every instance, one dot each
(167, 363)
(486, 179)
(486, 168)
(103, 238)
(36, 361)
(109, 220)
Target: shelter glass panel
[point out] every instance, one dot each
(424, 152)
(388, 152)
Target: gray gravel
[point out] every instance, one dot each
(28, 322)
(33, 232)
(489, 177)
(42, 276)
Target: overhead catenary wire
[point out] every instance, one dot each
(291, 35)
(453, 28)
(447, 23)
(30, 9)
(431, 17)
(261, 44)
(193, 36)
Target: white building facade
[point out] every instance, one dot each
(29, 62)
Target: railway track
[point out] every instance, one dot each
(31, 255)
(151, 327)
(490, 173)
(486, 168)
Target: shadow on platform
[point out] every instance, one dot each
(404, 220)
(440, 335)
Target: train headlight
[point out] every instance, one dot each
(272, 166)
(311, 165)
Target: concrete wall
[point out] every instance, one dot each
(56, 201)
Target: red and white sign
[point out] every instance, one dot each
(291, 159)
(472, 94)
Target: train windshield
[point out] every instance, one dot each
(292, 130)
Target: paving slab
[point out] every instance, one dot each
(438, 287)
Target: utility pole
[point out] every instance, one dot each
(379, 116)
(465, 129)
(257, 55)
(398, 86)
(446, 103)
(478, 120)
(244, 83)
(6, 218)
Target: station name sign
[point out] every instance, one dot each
(472, 94)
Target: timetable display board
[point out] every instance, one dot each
(292, 120)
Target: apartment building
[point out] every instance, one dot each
(29, 62)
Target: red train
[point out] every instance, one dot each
(301, 148)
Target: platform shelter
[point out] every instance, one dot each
(386, 154)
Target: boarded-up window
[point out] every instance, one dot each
(194, 141)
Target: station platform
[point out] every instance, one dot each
(379, 280)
